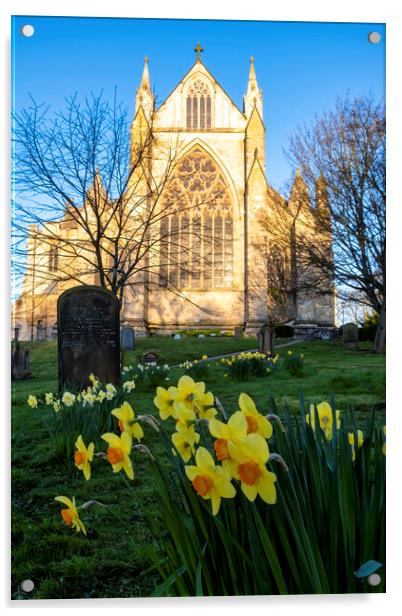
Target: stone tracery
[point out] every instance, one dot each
(199, 251)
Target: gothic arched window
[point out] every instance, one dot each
(198, 105)
(53, 259)
(197, 226)
(276, 269)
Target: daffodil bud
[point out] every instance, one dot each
(276, 419)
(89, 504)
(144, 449)
(275, 457)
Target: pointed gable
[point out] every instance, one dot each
(199, 83)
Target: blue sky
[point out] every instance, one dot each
(301, 67)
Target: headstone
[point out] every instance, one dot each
(150, 356)
(127, 339)
(325, 334)
(20, 363)
(201, 335)
(238, 332)
(350, 336)
(177, 337)
(88, 327)
(265, 338)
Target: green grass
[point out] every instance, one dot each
(115, 558)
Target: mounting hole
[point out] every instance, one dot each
(374, 579)
(374, 37)
(27, 585)
(27, 30)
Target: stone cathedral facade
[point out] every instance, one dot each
(224, 271)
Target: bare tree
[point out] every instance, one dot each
(345, 150)
(89, 203)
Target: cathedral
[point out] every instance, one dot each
(230, 270)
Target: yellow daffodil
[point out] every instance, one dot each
(204, 357)
(251, 456)
(289, 352)
(94, 381)
(351, 439)
(208, 480)
(255, 421)
(184, 415)
(164, 402)
(56, 406)
(204, 404)
(187, 390)
(68, 398)
(32, 401)
(184, 439)
(110, 391)
(118, 453)
(325, 418)
(49, 399)
(125, 415)
(83, 457)
(70, 515)
(88, 398)
(234, 430)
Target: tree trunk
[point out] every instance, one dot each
(379, 340)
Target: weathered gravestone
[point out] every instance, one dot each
(325, 334)
(127, 339)
(150, 356)
(265, 337)
(350, 336)
(20, 363)
(238, 331)
(88, 336)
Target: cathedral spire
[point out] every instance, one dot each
(253, 96)
(144, 97)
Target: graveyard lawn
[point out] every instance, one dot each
(112, 560)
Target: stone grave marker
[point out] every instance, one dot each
(265, 338)
(238, 331)
(351, 336)
(127, 339)
(325, 334)
(20, 363)
(150, 356)
(88, 327)
(177, 337)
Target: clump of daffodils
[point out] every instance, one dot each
(246, 364)
(239, 453)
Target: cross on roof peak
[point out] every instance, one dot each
(198, 49)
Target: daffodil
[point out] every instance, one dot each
(94, 381)
(101, 396)
(251, 456)
(49, 399)
(125, 415)
(325, 418)
(56, 406)
(351, 439)
(32, 401)
(204, 404)
(164, 402)
(204, 357)
(68, 398)
(185, 439)
(118, 453)
(187, 391)
(88, 398)
(184, 415)
(208, 480)
(234, 430)
(255, 421)
(110, 391)
(83, 457)
(70, 515)
(128, 386)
